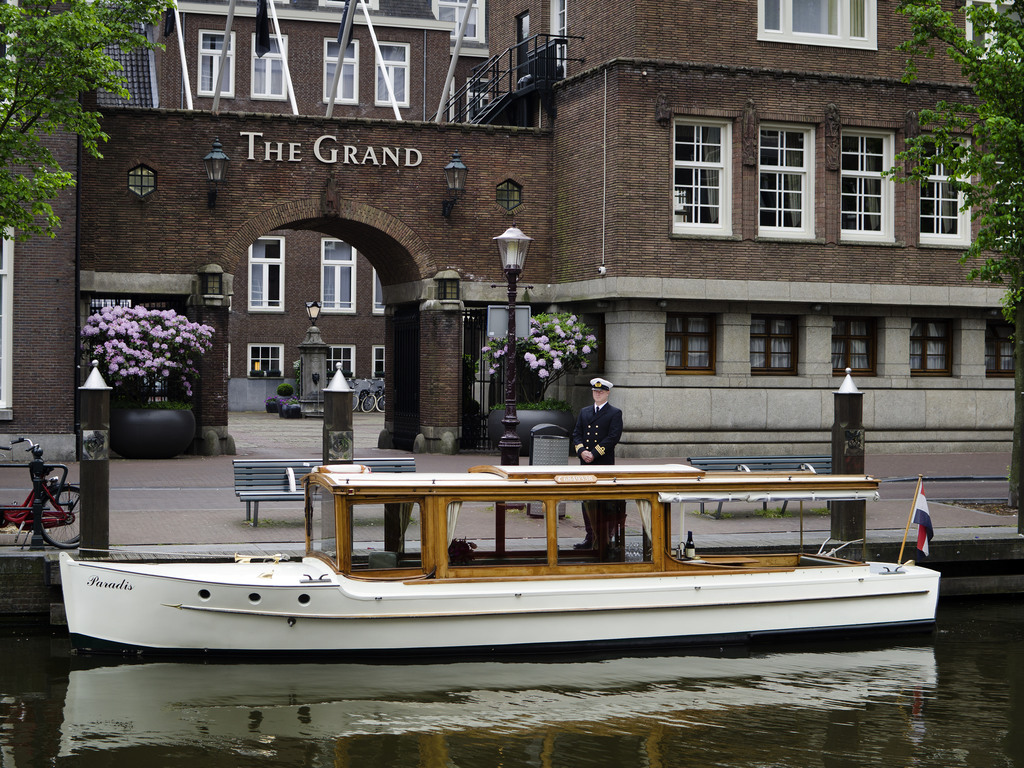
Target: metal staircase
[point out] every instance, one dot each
(505, 89)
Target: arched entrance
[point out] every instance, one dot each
(325, 250)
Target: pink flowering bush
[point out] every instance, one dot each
(558, 344)
(146, 354)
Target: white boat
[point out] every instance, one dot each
(486, 563)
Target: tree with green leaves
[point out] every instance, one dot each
(980, 143)
(50, 55)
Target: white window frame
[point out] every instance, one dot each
(454, 9)
(942, 183)
(6, 319)
(340, 305)
(558, 23)
(378, 295)
(348, 64)
(861, 176)
(723, 166)
(274, 57)
(775, 23)
(277, 350)
(804, 173)
(379, 355)
(271, 304)
(338, 353)
(969, 25)
(212, 57)
(340, 4)
(393, 67)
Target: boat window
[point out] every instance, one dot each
(320, 526)
(495, 532)
(385, 535)
(605, 531)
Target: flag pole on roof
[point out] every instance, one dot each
(455, 59)
(280, 47)
(344, 37)
(181, 55)
(225, 51)
(380, 60)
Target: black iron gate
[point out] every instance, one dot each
(477, 392)
(406, 373)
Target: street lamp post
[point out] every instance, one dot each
(512, 245)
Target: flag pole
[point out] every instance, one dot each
(910, 517)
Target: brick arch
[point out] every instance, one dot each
(393, 248)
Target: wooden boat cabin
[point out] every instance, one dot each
(504, 522)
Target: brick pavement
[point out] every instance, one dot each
(190, 500)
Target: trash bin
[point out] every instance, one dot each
(549, 444)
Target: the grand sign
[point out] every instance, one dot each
(327, 150)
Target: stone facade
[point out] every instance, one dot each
(613, 237)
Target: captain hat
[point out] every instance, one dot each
(601, 384)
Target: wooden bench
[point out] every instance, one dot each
(259, 480)
(820, 465)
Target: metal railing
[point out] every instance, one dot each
(535, 64)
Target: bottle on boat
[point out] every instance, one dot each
(690, 551)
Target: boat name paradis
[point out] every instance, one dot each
(327, 150)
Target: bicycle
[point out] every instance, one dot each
(58, 500)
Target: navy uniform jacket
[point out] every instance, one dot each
(598, 433)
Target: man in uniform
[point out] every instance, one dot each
(597, 432)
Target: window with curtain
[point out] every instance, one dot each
(999, 357)
(843, 23)
(338, 289)
(772, 345)
(866, 197)
(930, 348)
(700, 192)
(266, 274)
(690, 344)
(853, 345)
(211, 47)
(394, 60)
(268, 70)
(348, 83)
(941, 220)
(785, 194)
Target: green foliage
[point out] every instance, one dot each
(56, 53)
(979, 141)
(550, 404)
(284, 389)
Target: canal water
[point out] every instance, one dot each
(954, 698)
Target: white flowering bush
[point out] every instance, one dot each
(558, 344)
(145, 354)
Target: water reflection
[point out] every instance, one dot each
(948, 700)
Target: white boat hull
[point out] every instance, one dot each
(303, 607)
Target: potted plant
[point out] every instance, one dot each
(556, 345)
(150, 359)
(272, 403)
(290, 408)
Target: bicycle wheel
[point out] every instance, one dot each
(367, 403)
(63, 529)
(379, 403)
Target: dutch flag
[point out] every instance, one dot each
(924, 524)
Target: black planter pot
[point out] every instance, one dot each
(289, 410)
(528, 419)
(149, 433)
(272, 406)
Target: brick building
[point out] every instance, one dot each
(705, 188)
